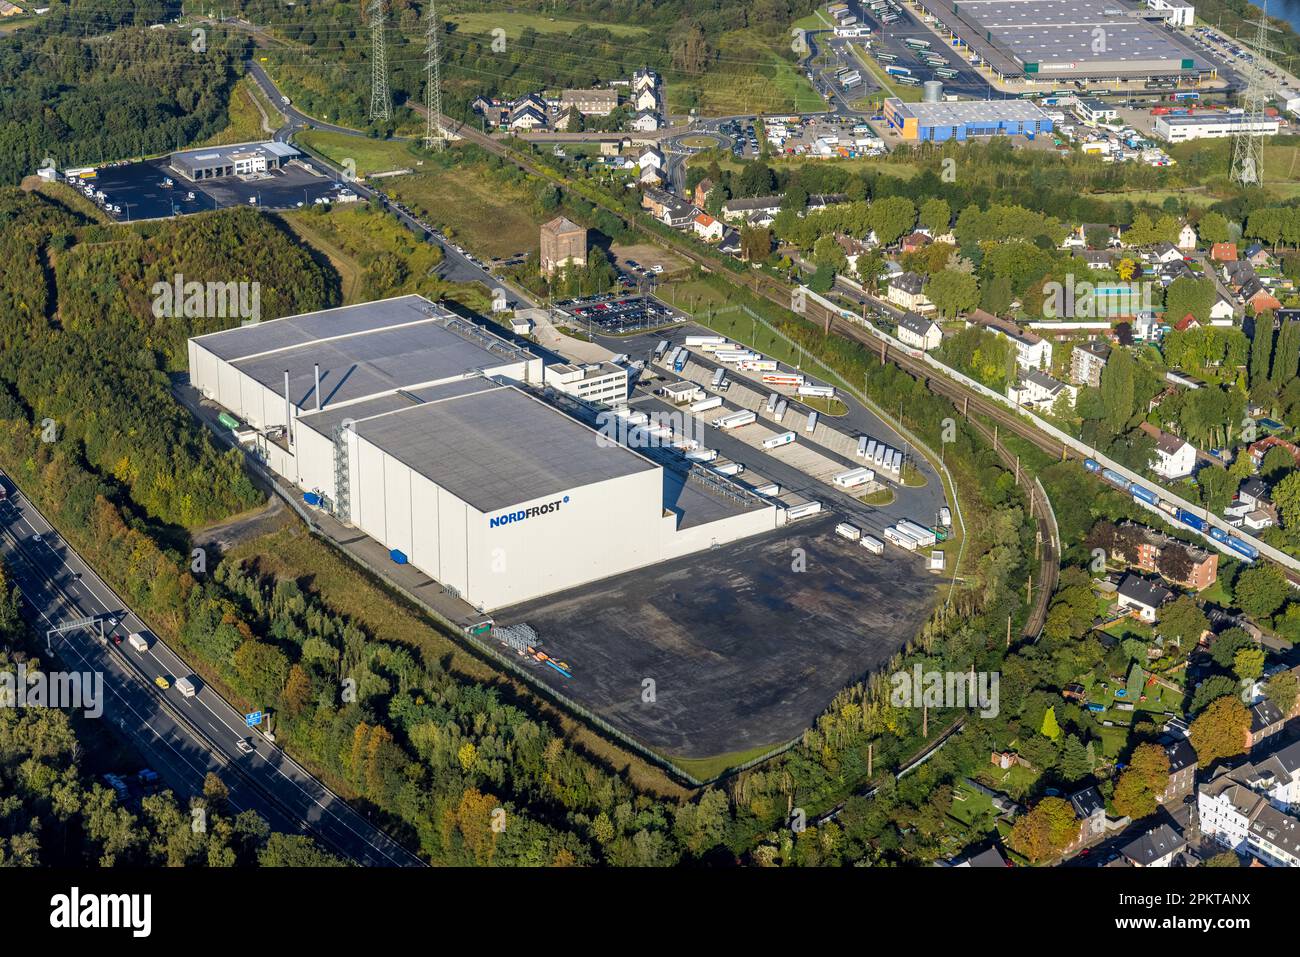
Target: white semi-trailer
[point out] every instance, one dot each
(854, 477)
(900, 538)
(704, 405)
(873, 544)
(846, 530)
(735, 419)
(785, 438)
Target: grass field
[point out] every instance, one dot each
(515, 22)
(370, 156)
(755, 79)
(319, 569)
(705, 769)
(476, 207)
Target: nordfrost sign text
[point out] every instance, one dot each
(510, 518)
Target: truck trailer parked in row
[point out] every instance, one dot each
(735, 419)
(785, 438)
(854, 477)
(851, 532)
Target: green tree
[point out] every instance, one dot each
(953, 292)
(1050, 728)
(1248, 663)
(1044, 831)
(1143, 782)
(1220, 731)
(1260, 590)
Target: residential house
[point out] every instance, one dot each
(650, 176)
(1142, 597)
(1094, 258)
(1150, 545)
(702, 190)
(907, 290)
(1276, 776)
(1182, 769)
(679, 214)
(1188, 321)
(707, 228)
(990, 857)
(741, 210)
(1254, 493)
(645, 101)
(1256, 255)
(1155, 847)
(1166, 252)
(1187, 238)
(1173, 457)
(1086, 362)
(650, 156)
(915, 241)
(919, 332)
(1037, 390)
(590, 102)
(1259, 449)
(1223, 252)
(1266, 722)
(1242, 819)
(1237, 273)
(1032, 351)
(654, 200)
(1090, 810)
(1223, 311)
(646, 121)
(1174, 269)
(1257, 298)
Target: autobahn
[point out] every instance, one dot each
(184, 738)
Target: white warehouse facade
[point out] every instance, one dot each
(431, 435)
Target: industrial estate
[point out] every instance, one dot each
(619, 436)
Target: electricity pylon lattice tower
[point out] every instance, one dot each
(1248, 145)
(434, 137)
(379, 99)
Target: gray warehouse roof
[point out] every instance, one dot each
(362, 350)
(497, 448)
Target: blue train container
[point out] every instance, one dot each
(1191, 520)
(1219, 535)
(1145, 494)
(1242, 548)
(1114, 478)
(1092, 465)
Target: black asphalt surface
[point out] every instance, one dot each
(185, 738)
(745, 645)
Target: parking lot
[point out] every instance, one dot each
(615, 315)
(744, 644)
(152, 190)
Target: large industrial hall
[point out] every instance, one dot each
(438, 438)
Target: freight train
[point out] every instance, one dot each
(1240, 548)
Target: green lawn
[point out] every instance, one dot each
(474, 206)
(369, 155)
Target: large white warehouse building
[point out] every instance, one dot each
(426, 432)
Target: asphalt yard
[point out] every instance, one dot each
(744, 644)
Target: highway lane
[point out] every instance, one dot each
(187, 736)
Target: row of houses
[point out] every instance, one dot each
(538, 111)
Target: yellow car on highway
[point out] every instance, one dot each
(162, 682)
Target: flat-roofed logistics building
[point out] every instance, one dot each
(1199, 126)
(1074, 40)
(218, 162)
(435, 437)
(962, 120)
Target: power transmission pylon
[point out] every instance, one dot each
(379, 100)
(433, 133)
(1248, 145)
